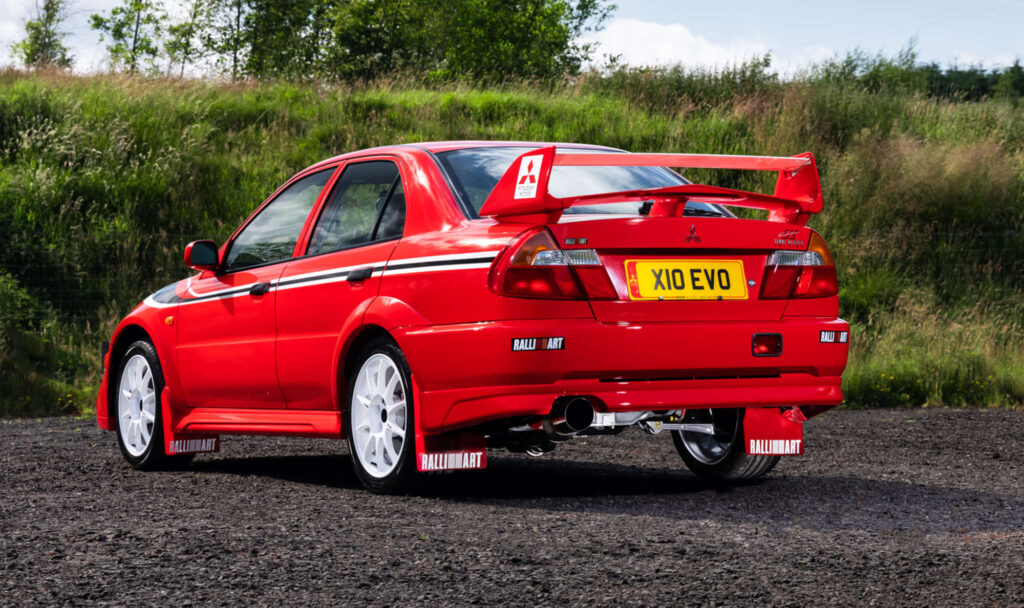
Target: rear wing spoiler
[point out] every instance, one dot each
(521, 195)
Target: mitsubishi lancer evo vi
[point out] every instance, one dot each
(430, 302)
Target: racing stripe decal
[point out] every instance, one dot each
(167, 297)
(457, 261)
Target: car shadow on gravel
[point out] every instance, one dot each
(820, 502)
(333, 470)
(505, 478)
(825, 503)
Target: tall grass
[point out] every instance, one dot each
(103, 179)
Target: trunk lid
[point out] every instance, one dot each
(673, 269)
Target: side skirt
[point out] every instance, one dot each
(234, 421)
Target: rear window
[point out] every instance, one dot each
(475, 172)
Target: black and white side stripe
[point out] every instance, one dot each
(166, 297)
(456, 261)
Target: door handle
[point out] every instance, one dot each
(259, 289)
(359, 274)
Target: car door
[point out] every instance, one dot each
(357, 227)
(226, 331)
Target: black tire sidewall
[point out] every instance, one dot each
(405, 475)
(154, 455)
(737, 464)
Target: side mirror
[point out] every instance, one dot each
(202, 255)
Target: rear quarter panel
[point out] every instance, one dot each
(441, 296)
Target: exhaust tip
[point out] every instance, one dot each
(579, 414)
(569, 415)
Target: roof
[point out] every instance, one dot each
(435, 147)
(445, 146)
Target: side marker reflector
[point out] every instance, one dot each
(766, 345)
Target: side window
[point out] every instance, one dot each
(271, 235)
(367, 203)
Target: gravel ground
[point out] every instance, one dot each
(907, 507)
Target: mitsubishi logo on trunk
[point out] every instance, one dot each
(692, 237)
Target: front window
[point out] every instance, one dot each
(271, 236)
(476, 171)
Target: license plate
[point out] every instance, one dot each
(686, 280)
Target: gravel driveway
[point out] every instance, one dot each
(905, 507)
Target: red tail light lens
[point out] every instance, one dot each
(533, 266)
(800, 274)
(817, 282)
(550, 282)
(596, 283)
(779, 281)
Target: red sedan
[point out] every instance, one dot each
(431, 301)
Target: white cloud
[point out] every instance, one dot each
(966, 59)
(657, 44)
(648, 43)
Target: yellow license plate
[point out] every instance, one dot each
(686, 280)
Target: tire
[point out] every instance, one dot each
(720, 457)
(379, 420)
(139, 427)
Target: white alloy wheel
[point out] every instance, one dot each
(379, 416)
(136, 405)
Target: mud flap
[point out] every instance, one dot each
(457, 451)
(772, 431)
(183, 443)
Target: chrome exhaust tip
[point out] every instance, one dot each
(569, 415)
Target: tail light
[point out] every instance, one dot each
(533, 266)
(800, 274)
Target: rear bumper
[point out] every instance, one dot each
(469, 374)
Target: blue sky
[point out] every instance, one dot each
(709, 33)
(987, 32)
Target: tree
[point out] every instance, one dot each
(133, 30)
(484, 40)
(376, 37)
(43, 43)
(283, 39)
(495, 40)
(226, 37)
(184, 39)
(1010, 85)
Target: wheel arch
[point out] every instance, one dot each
(125, 337)
(349, 357)
(372, 318)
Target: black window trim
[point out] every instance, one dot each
(383, 208)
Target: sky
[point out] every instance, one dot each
(715, 34)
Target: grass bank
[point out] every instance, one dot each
(103, 180)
